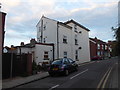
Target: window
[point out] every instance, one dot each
(75, 28)
(65, 54)
(76, 40)
(105, 47)
(46, 57)
(39, 29)
(98, 46)
(65, 61)
(102, 46)
(101, 52)
(98, 53)
(64, 39)
(70, 60)
(76, 54)
(44, 40)
(44, 27)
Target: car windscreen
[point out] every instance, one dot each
(58, 62)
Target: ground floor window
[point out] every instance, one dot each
(65, 54)
(98, 53)
(46, 56)
(76, 54)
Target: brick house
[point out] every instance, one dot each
(99, 48)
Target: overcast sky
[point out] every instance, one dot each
(22, 16)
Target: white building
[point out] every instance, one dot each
(70, 39)
(40, 52)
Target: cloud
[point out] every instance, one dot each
(22, 16)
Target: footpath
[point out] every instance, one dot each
(14, 82)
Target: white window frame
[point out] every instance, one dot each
(98, 46)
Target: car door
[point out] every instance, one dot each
(67, 63)
(73, 64)
(70, 65)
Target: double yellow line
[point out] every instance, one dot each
(104, 79)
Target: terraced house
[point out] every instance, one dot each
(70, 39)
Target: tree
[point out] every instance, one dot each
(117, 36)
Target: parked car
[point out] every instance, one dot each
(62, 66)
(96, 58)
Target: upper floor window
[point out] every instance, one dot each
(44, 27)
(102, 46)
(76, 40)
(105, 47)
(75, 28)
(98, 46)
(64, 39)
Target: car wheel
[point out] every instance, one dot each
(66, 72)
(76, 69)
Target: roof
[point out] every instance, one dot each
(97, 40)
(63, 24)
(72, 21)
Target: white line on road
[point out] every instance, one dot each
(79, 74)
(54, 87)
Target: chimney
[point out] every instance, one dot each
(22, 44)
(32, 41)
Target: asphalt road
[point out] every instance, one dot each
(96, 74)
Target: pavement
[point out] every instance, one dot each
(11, 83)
(15, 82)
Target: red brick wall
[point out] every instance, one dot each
(93, 49)
(2, 24)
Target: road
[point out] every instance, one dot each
(96, 74)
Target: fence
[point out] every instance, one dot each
(21, 65)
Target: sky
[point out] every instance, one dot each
(22, 16)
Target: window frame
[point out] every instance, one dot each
(64, 39)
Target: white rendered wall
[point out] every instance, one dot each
(83, 42)
(39, 52)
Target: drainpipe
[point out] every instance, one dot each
(57, 41)
(41, 30)
(53, 51)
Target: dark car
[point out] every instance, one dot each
(96, 58)
(62, 66)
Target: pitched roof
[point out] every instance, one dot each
(72, 21)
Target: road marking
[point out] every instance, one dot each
(86, 63)
(54, 87)
(100, 83)
(104, 79)
(103, 86)
(79, 74)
